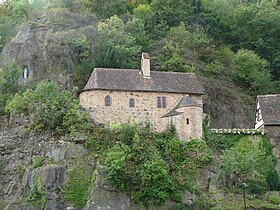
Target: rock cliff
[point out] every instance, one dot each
(22, 178)
(45, 44)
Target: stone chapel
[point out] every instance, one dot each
(160, 98)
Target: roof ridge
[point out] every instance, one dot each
(164, 72)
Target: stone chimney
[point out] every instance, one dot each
(145, 65)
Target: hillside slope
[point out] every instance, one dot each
(46, 46)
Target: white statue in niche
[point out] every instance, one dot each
(25, 73)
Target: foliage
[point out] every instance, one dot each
(179, 206)
(220, 142)
(252, 71)
(9, 85)
(54, 109)
(78, 186)
(101, 140)
(172, 61)
(249, 163)
(215, 67)
(116, 48)
(38, 162)
(274, 199)
(20, 172)
(154, 167)
(83, 67)
(38, 194)
(247, 25)
(12, 14)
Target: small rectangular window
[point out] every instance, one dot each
(131, 103)
(107, 101)
(158, 102)
(163, 102)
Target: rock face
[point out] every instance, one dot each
(19, 153)
(226, 107)
(21, 175)
(102, 196)
(45, 45)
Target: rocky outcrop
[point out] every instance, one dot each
(23, 179)
(45, 44)
(104, 197)
(227, 106)
(20, 154)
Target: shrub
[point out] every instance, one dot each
(247, 163)
(219, 142)
(54, 109)
(9, 85)
(274, 199)
(154, 167)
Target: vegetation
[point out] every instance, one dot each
(78, 186)
(9, 85)
(54, 109)
(151, 167)
(38, 162)
(233, 41)
(38, 194)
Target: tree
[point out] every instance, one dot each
(247, 163)
(252, 71)
(172, 60)
(116, 47)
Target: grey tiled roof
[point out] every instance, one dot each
(172, 113)
(186, 101)
(270, 109)
(132, 80)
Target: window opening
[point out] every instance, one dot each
(107, 101)
(187, 121)
(163, 102)
(158, 102)
(131, 102)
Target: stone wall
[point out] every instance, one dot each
(273, 133)
(145, 110)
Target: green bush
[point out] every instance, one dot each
(152, 167)
(219, 142)
(54, 109)
(249, 163)
(9, 85)
(274, 199)
(101, 140)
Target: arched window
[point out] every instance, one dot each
(107, 101)
(187, 121)
(131, 102)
